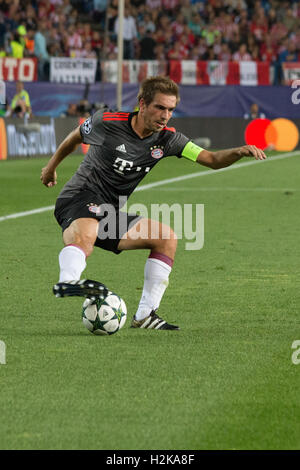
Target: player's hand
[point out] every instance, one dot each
(252, 151)
(48, 177)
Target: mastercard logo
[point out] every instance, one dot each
(280, 134)
(3, 140)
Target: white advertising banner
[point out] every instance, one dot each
(68, 70)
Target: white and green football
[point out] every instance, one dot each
(104, 316)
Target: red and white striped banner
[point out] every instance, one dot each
(12, 69)
(134, 71)
(192, 72)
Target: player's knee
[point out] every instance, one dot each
(167, 242)
(85, 242)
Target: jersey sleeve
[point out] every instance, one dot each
(181, 146)
(91, 129)
(176, 144)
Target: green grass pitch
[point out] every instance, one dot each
(224, 381)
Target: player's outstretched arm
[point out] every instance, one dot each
(69, 144)
(223, 158)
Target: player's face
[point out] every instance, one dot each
(157, 114)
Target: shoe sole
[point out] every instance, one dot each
(85, 288)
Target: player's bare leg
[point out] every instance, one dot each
(79, 239)
(162, 241)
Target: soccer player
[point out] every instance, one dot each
(124, 147)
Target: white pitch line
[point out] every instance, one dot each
(23, 214)
(144, 187)
(227, 188)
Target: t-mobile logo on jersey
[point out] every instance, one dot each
(120, 165)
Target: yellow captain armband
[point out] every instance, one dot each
(191, 151)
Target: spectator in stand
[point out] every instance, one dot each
(191, 38)
(255, 54)
(169, 6)
(112, 14)
(73, 41)
(29, 43)
(242, 54)
(87, 32)
(290, 54)
(202, 46)
(259, 26)
(225, 54)
(30, 18)
(17, 46)
(99, 11)
(66, 7)
(271, 18)
(194, 53)
(229, 28)
(137, 3)
(2, 29)
(159, 52)
(251, 42)
(73, 18)
(290, 21)
(148, 23)
(97, 43)
(147, 46)
(210, 54)
(188, 11)
(178, 25)
(282, 45)
(187, 40)
(281, 9)
(278, 32)
(210, 33)
(196, 25)
(129, 33)
(295, 36)
(44, 9)
(87, 51)
(164, 22)
(110, 49)
(243, 29)
(234, 43)
(268, 51)
(40, 50)
(217, 46)
(177, 52)
(2, 51)
(154, 4)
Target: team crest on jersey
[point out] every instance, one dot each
(157, 151)
(94, 208)
(87, 126)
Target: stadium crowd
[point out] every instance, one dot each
(257, 30)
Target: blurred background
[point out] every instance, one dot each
(234, 61)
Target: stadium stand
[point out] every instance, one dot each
(257, 30)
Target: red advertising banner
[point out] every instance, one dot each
(12, 69)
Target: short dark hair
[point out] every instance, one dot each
(160, 84)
